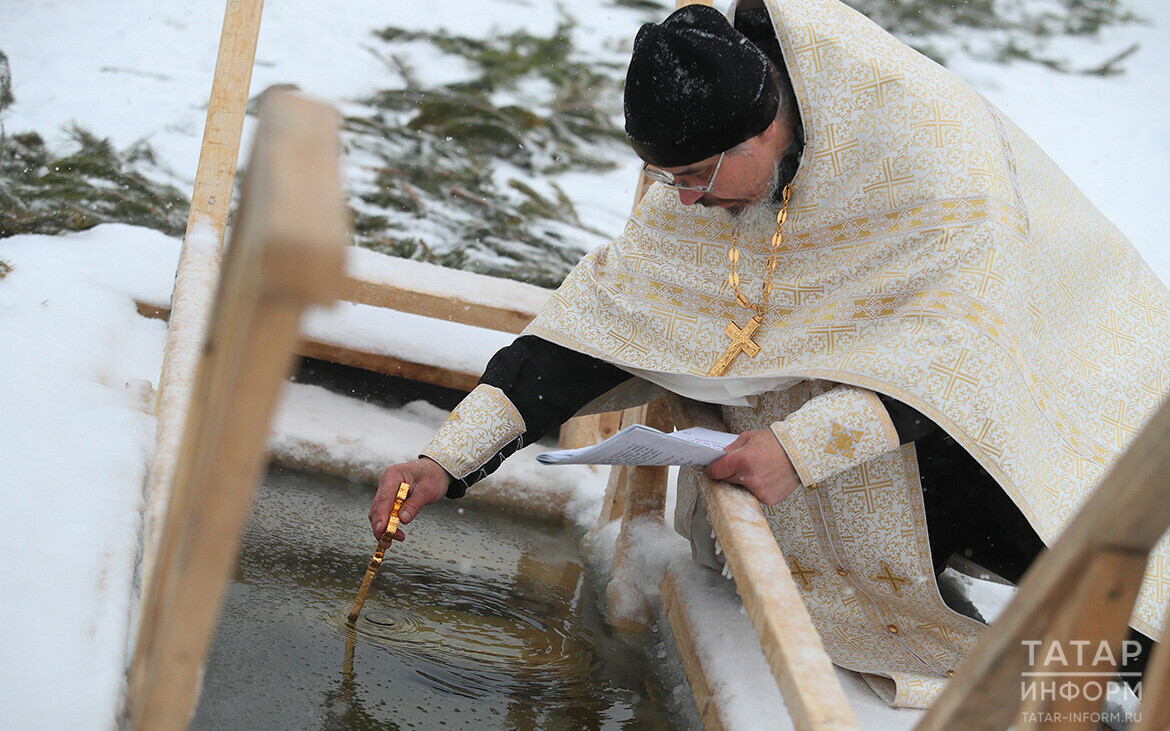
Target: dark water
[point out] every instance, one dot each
(478, 620)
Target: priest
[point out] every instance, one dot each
(930, 343)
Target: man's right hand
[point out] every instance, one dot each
(428, 484)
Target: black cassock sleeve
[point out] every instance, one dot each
(547, 383)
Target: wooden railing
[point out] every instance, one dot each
(199, 260)
(286, 253)
(791, 644)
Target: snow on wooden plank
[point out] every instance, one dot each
(391, 342)
(790, 642)
(439, 292)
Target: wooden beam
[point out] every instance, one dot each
(356, 357)
(1128, 513)
(686, 628)
(788, 638)
(387, 364)
(1155, 708)
(1094, 615)
(790, 642)
(458, 307)
(200, 256)
(644, 491)
(614, 502)
(287, 252)
(582, 431)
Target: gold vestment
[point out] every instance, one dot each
(933, 253)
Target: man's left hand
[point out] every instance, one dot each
(756, 461)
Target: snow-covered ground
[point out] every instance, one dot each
(77, 362)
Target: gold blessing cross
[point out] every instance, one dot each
(376, 561)
(741, 342)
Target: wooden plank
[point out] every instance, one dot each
(287, 252)
(585, 431)
(788, 638)
(614, 501)
(790, 642)
(1129, 513)
(356, 357)
(387, 364)
(1155, 708)
(201, 252)
(613, 504)
(451, 306)
(685, 629)
(1094, 615)
(630, 609)
(645, 487)
(580, 432)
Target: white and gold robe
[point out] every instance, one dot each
(932, 253)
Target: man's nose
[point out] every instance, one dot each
(689, 197)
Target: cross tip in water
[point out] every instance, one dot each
(353, 617)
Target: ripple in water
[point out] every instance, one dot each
(472, 637)
(478, 621)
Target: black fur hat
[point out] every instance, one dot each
(696, 87)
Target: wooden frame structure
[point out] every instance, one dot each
(1082, 589)
(481, 307)
(286, 253)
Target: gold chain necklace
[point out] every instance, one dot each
(741, 338)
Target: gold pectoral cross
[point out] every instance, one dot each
(741, 342)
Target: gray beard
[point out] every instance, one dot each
(759, 219)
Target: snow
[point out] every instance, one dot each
(75, 443)
(79, 364)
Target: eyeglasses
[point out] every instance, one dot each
(666, 178)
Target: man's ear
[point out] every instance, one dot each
(769, 133)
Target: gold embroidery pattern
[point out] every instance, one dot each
(835, 431)
(935, 254)
(916, 691)
(482, 424)
(895, 582)
(843, 441)
(802, 575)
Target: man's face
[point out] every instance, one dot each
(746, 176)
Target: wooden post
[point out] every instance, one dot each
(644, 499)
(613, 505)
(201, 253)
(580, 431)
(1155, 709)
(1095, 612)
(466, 308)
(1127, 514)
(287, 251)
